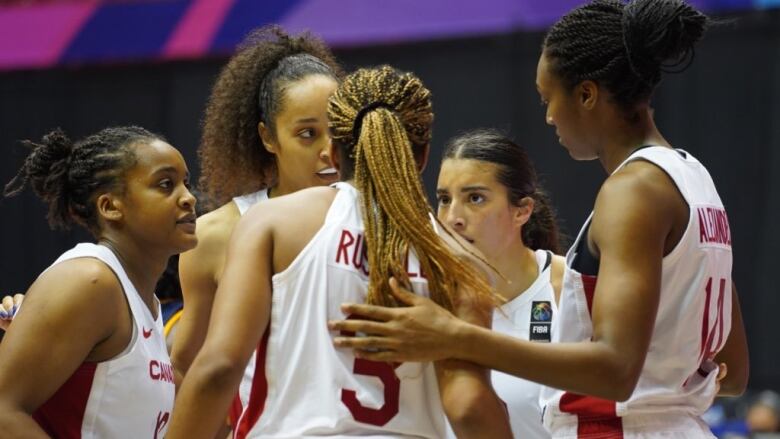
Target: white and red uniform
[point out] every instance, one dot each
(528, 317)
(302, 385)
(128, 396)
(677, 382)
(243, 203)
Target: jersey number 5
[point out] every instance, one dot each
(392, 386)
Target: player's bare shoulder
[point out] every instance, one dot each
(93, 280)
(295, 207)
(86, 284)
(213, 229)
(204, 262)
(292, 213)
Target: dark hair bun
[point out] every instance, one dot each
(49, 160)
(661, 34)
(46, 168)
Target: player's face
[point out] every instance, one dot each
(563, 112)
(474, 204)
(302, 137)
(158, 210)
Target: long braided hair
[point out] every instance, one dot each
(68, 176)
(250, 89)
(624, 47)
(380, 119)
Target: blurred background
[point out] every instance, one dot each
(86, 64)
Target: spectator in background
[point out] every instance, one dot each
(763, 416)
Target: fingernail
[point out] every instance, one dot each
(338, 341)
(3, 315)
(331, 324)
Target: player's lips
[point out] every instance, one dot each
(328, 173)
(471, 241)
(187, 222)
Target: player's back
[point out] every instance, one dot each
(302, 385)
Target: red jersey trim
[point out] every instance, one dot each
(589, 285)
(258, 394)
(63, 414)
(596, 418)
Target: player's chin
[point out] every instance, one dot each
(186, 242)
(582, 156)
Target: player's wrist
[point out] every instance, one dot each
(462, 342)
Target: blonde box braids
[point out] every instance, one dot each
(382, 118)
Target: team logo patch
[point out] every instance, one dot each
(541, 321)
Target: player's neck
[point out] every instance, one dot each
(143, 267)
(518, 265)
(627, 137)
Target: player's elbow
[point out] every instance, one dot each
(180, 360)
(215, 370)
(618, 381)
(620, 393)
(467, 411)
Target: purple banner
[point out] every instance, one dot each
(47, 32)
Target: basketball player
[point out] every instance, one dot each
(647, 309)
(293, 260)
(85, 356)
(265, 134)
(488, 193)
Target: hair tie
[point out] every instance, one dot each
(362, 113)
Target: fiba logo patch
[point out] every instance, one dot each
(541, 321)
(541, 312)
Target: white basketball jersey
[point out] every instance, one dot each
(302, 385)
(129, 396)
(244, 202)
(528, 316)
(693, 320)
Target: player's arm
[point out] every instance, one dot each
(630, 226)
(70, 308)
(734, 353)
(472, 406)
(8, 307)
(239, 318)
(197, 273)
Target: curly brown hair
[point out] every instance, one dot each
(250, 89)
